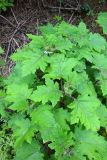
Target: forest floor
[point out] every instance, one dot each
(26, 17)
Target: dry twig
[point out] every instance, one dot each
(8, 21)
(9, 45)
(14, 16)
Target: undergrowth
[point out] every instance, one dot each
(54, 103)
(4, 4)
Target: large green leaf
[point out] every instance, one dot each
(97, 42)
(29, 152)
(90, 144)
(31, 60)
(81, 83)
(62, 116)
(60, 66)
(84, 109)
(102, 113)
(61, 143)
(23, 130)
(100, 62)
(45, 93)
(45, 121)
(17, 77)
(18, 96)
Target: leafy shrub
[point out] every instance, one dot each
(4, 4)
(55, 98)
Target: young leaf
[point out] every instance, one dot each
(48, 29)
(66, 29)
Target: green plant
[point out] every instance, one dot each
(58, 18)
(55, 98)
(86, 8)
(6, 143)
(4, 4)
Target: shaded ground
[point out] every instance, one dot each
(27, 15)
(25, 18)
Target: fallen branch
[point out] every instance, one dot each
(62, 8)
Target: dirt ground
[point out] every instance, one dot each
(27, 15)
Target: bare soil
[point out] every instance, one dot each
(27, 15)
